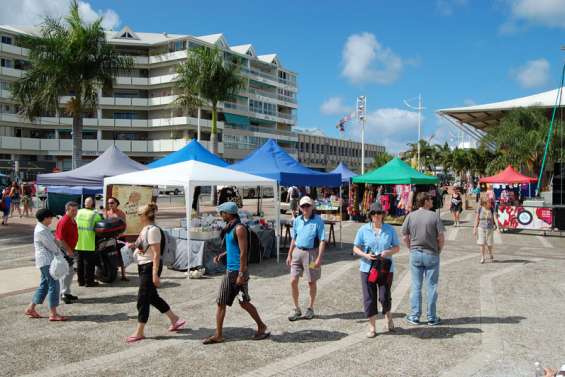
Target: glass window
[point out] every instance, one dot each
(7, 40)
(7, 63)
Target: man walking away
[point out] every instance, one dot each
(293, 196)
(305, 255)
(423, 233)
(235, 282)
(67, 236)
(86, 245)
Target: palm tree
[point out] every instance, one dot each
(71, 59)
(380, 159)
(444, 156)
(207, 78)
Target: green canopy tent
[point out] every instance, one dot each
(396, 172)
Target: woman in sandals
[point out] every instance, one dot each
(148, 251)
(456, 205)
(376, 240)
(485, 224)
(45, 250)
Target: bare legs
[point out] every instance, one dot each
(140, 330)
(313, 288)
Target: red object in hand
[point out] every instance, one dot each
(373, 275)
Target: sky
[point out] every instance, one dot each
(452, 52)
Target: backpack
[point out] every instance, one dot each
(254, 247)
(168, 247)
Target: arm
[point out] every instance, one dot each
(477, 219)
(156, 248)
(440, 241)
(66, 247)
(243, 243)
(290, 250)
(406, 239)
(322, 246)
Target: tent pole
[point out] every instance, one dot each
(276, 191)
(188, 200)
(340, 201)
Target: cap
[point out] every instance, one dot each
(306, 200)
(228, 207)
(376, 208)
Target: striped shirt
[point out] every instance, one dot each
(45, 245)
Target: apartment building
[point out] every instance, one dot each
(138, 113)
(320, 152)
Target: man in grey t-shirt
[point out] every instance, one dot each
(422, 232)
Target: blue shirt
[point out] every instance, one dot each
(232, 250)
(368, 241)
(304, 231)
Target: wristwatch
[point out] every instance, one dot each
(241, 274)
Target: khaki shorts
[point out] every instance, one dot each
(300, 264)
(485, 236)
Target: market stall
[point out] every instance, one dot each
(512, 209)
(337, 208)
(189, 175)
(393, 185)
(193, 151)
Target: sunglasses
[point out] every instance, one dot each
(376, 213)
(305, 206)
(111, 202)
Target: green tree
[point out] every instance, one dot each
(206, 78)
(444, 156)
(380, 159)
(70, 62)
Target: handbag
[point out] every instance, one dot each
(380, 268)
(59, 267)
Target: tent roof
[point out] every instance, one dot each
(74, 190)
(192, 151)
(508, 175)
(111, 162)
(271, 161)
(396, 172)
(346, 174)
(196, 173)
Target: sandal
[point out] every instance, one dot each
(371, 334)
(212, 340)
(134, 338)
(179, 324)
(32, 314)
(58, 318)
(482, 260)
(261, 336)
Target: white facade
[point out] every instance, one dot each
(138, 113)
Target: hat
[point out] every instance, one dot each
(228, 207)
(306, 200)
(376, 208)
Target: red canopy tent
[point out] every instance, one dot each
(509, 176)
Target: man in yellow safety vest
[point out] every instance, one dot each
(86, 245)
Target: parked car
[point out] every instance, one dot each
(171, 191)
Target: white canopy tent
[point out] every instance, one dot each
(190, 174)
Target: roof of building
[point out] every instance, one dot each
(270, 58)
(246, 49)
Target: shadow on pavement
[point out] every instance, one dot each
(354, 315)
(100, 318)
(505, 261)
(485, 320)
(120, 299)
(438, 332)
(306, 336)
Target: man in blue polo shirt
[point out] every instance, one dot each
(305, 254)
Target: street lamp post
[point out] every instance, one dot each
(361, 112)
(419, 109)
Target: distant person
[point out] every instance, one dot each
(112, 210)
(86, 245)
(235, 282)
(6, 205)
(26, 199)
(423, 233)
(148, 249)
(485, 225)
(305, 255)
(16, 196)
(67, 236)
(293, 196)
(456, 205)
(45, 250)
(376, 243)
(477, 193)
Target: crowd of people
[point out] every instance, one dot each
(13, 198)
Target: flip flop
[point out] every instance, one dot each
(211, 340)
(179, 324)
(134, 338)
(263, 335)
(58, 318)
(32, 314)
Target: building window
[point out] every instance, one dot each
(7, 40)
(6, 63)
(177, 46)
(125, 115)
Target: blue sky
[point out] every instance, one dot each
(454, 52)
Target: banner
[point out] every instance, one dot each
(533, 218)
(131, 198)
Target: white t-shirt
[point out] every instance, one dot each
(153, 238)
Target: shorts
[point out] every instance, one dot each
(294, 205)
(456, 208)
(229, 290)
(300, 264)
(485, 236)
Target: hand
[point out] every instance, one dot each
(156, 281)
(289, 260)
(240, 280)
(218, 258)
(370, 256)
(130, 245)
(71, 254)
(318, 262)
(549, 372)
(386, 253)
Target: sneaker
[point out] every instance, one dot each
(412, 321)
(309, 313)
(434, 322)
(296, 315)
(70, 297)
(67, 300)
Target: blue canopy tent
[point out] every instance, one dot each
(192, 151)
(346, 174)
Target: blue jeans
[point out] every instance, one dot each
(48, 287)
(422, 266)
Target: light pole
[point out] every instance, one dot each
(419, 109)
(361, 112)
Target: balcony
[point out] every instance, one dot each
(14, 50)
(12, 72)
(263, 132)
(64, 146)
(234, 106)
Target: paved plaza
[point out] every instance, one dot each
(498, 318)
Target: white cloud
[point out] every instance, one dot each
(32, 12)
(335, 106)
(533, 74)
(365, 60)
(550, 13)
(469, 102)
(447, 7)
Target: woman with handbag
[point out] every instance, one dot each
(376, 243)
(46, 250)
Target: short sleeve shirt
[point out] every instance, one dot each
(67, 231)
(153, 238)
(423, 226)
(371, 241)
(304, 232)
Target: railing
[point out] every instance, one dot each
(13, 49)
(287, 99)
(265, 130)
(287, 82)
(12, 72)
(234, 106)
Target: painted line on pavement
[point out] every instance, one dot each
(497, 237)
(30, 238)
(545, 242)
(17, 247)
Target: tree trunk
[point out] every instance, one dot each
(77, 142)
